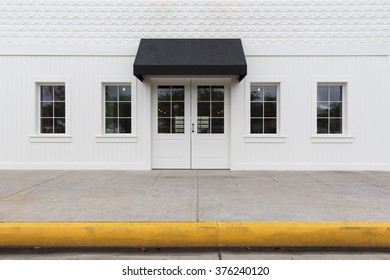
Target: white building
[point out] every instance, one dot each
(314, 94)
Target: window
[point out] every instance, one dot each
(329, 109)
(211, 109)
(117, 109)
(52, 109)
(170, 111)
(263, 109)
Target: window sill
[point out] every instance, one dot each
(332, 139)
(50, 138)
(265, 139)
(116, 139)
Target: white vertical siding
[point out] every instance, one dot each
(368, 115)
(83, 152)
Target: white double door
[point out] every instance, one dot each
(191, 124)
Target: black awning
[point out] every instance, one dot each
(190, 57)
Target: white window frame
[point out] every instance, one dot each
(279, 136)
(101, 136)
(347, 85)
(35, 98)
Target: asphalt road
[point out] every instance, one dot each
(193, 254)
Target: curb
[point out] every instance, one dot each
(195, 234)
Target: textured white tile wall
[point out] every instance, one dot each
(124, 22)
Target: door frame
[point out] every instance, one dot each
(225, 81)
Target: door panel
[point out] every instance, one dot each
(210, 141)
(171, 115)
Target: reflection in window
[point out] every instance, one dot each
(263, 109)
(118, 109)
(170, 109)
(211, 109)
(329, 109)
(52, 105)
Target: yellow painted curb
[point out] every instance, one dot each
(195, 234)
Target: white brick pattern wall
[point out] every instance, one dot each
(123, 22)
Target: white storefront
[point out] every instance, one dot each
(316, 94)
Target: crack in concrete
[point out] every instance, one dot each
(230, 174)
(36, 185)
(364, 181)
(113, 178)
(7, 172)
(273, 179)
(159, 174)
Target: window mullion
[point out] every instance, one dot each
(329, 110)
(263, 90)
(117, 104)
(53, 110)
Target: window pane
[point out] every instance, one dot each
(217, 109)
(217, 125)
(111, 125)
(335, 126)
(322, 126)
(336, 109)
(256, 125)
(323, 109)
(178, 93)
(47, 125)
(111, 93)
(270, 93)
(178, 125)
(164, 125)
(256, 93)
(46, 109)
(335, 93)
(164, 93)
(256, 109)
(177, 109)
(59, 93)
(203, 93)
(203, 124)
(217, 93)
(164, 109)
(111, 109)
(322, 93)
(203, 109)
(124, 109)
(124, 93)
(269, 125)
(269, 109)
(59, 109)
(124, 125)
(46, 93)
(59, 125)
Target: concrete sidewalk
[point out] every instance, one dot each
(194, 195)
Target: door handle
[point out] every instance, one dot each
(193, 128)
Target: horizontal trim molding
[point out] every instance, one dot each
(74, 166)
(249, 50)
(332, 138)
(54, 138)
(312, 166)
(265, 138)
(116, 139)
